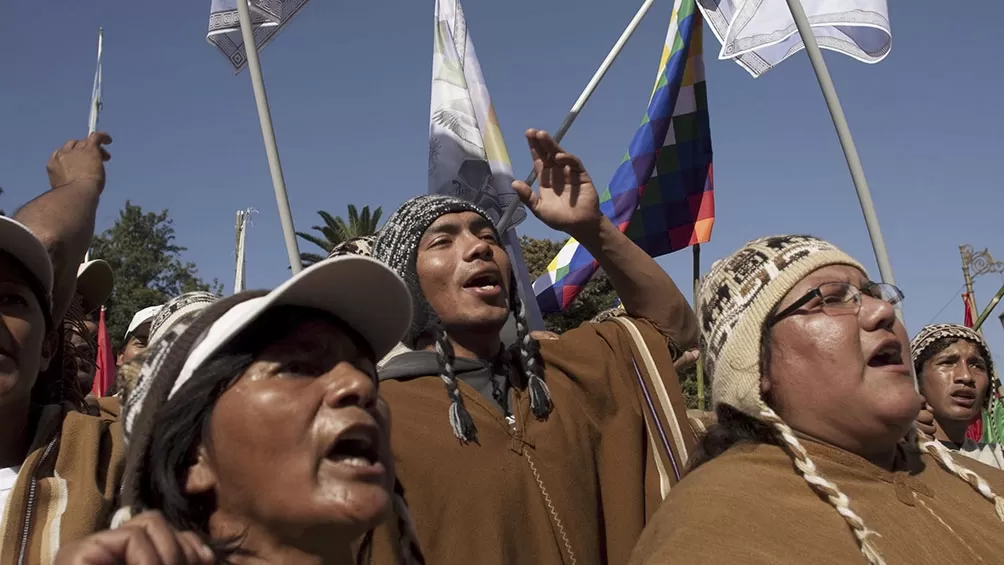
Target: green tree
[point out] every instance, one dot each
(2, 213)
(141, 250)
(597, 296)
(336, 230)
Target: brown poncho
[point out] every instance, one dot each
(750, 506)
(577, 487)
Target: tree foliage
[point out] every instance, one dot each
(597, 296)
(336, 230)
(141, 250)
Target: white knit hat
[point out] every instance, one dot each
(735, 299)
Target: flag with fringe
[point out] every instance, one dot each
(661, 194)
(267, 18)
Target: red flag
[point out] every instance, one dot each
(968, 320)
(104, 373)
(975, 429)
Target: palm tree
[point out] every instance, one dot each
(336, 230)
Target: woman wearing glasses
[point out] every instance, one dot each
(814, 395)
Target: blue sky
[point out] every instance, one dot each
(348, 84)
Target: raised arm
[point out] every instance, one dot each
(569, 202)
(63, 217)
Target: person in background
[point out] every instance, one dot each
(955, 372)
(137, 337)
(180, 309)
(811, 381)
(95, 283)
(59, 467)
(257, 425)
(536, 453)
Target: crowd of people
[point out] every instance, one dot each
(256, 428)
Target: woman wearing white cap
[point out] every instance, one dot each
(256, 426)
(812, 385)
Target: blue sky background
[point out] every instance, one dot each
(349, 82)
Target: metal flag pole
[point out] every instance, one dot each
(850, 150)
(242, 217)
(990, 308)
(697, 301)
(846, 141)
(582, 99)
(95, 111)
(271, 149)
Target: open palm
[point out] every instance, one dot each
(567, 199)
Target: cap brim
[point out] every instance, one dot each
(17, 239)
(362, 292)
(95, 282)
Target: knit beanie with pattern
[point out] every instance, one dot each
(934, 333)
(397, 246)
(735, 299)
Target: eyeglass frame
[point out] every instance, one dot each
(856, 298)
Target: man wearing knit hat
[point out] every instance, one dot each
(536, 453)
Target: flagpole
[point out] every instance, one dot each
(846, 141)
(990, 308)
(271, 149)
(583, 98)
(697, 289)
(95, 91)
(239, 250)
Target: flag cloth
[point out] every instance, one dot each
(467, 155)
(759, 34)
(267, 18)
(661, 195)
(104, 372)
(967, 318)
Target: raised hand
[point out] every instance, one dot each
(80, 162)
(147, 539)
(567, 199)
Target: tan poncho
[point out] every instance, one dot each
(750, 506)
(576, 488)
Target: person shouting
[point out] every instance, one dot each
(538, 453)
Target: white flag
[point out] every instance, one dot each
(467, 155)
(267, 18)
(759, 34)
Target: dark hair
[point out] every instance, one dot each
(942, 344)
(734, 427)
(182, 423)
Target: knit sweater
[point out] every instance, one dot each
(577, 487)
(749, 506)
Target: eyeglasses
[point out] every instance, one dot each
(839, 298)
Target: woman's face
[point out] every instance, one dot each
(955, 381)
(844, 379)
(298, 445)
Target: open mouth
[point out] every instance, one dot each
(485, 282)
(356, 447)
(891, 353)
(964, 394)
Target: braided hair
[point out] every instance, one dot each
(156, 462)
(397, 246)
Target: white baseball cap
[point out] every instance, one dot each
(143, 316)
(362, 292)
(23, 245)
(95, 282)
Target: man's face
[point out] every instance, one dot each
(135, 345)
(25, 346)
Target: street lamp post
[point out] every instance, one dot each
(975, 264)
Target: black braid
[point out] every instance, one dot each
(409, 551)
(530, 359)
(460, 420)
